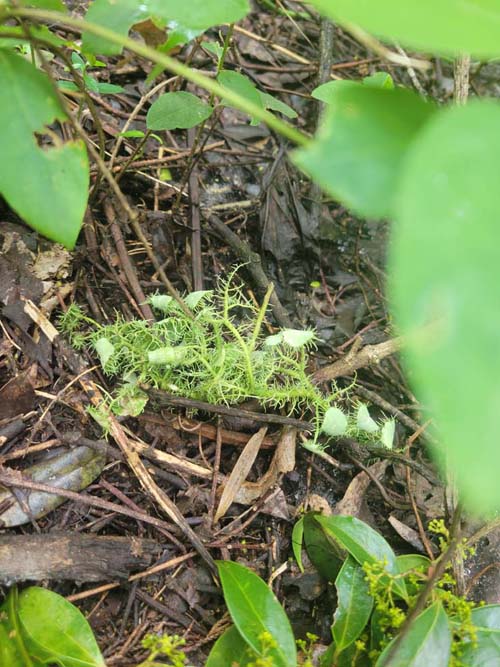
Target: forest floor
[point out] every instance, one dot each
(204, 201)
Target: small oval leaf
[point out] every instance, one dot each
(55, 630)
(180, 110)
(354, 604)
(255, 610)
(326, 556)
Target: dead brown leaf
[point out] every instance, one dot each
(240, 471)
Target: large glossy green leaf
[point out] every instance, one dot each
(485, 652)
(117, 16)
(230, 648)
(440, 26)
(354, 604)
(55, 631)
(487, 617)
(444, 272)
(255, 610)
(177, 110)
(327, 557)
(193, 15)
(357, 153)
(200, 14)
(46, 186)
(363, 543)
(427, 642)
(55, 5)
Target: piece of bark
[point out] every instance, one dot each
(72, 556)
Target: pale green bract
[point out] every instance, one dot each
(334, 422)
(365, 422)
(387, 433)
(105, 349)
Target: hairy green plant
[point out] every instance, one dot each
(219, 355)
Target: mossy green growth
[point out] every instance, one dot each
(220, 354)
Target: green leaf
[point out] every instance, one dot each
(178, 34)
(363, 543)
(200, 14)
(409, 562)
(485, 652)
(230, 648)
(55, 5)
(109, 88)
(487, 617)
(358, 151)
(133, 134)
(254, 610)
(12, 649)
(240, 84)
(379, 80)
(195, 15)
(40, 32)
(270, 102)
(54, 630)
(327, 557)
(334, 422)
(177, 110)
(46, 186)
(116, 16)
(448, 27)
(427, 642)
(327, 92)
(350, 657)
(447, 217)
(354, 604)
(297, 540)
(215, 48)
